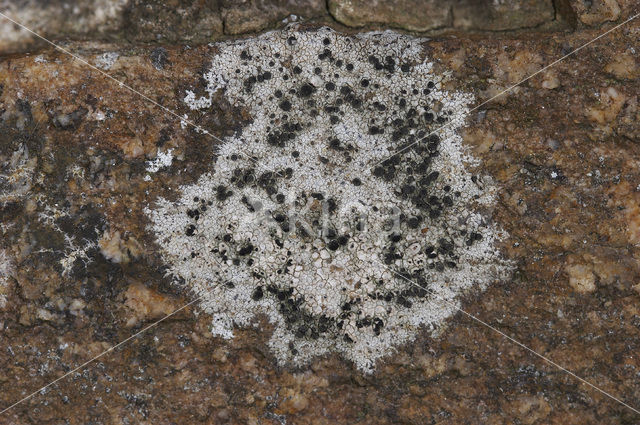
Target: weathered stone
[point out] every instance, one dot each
(132, 20)
(173, 21)
(561, 147)
(146, 304)
(414, 15)
(501, 15)
(418, 15)
(242, 16)
(581, 277)
(596, 12)
(623, 66)
(55, 19)
(294, 401)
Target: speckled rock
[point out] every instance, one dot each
(242, 16)
(501, 15)
(599, 11)
(192, 21)
(414, 15)
(54, 18)
(80, 159)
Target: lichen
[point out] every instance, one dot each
(106, 60)
(305, 219)
(16, 175)
(162, 160)
(6, 271)
(74, 250)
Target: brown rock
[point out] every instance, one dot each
(591, 212)
(294, 402)
(147, 304)
(49, 18)
(581, 277)
(501, 15)
(173, 20)
(623, 67)
(218, 398)
(597, 11)
(627, 200)
(413, 15)
(533, 408)
(220, 354)
(243, 16)
(431, 366)
(137, 20)
(513, 68)
(550, 80)
(118, 249)
(611, 102)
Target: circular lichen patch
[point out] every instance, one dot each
(304, 218)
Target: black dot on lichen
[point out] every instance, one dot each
(285, 105)
(306, 90)
(257, 294)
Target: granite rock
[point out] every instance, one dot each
(501, 15)
(255, 15)
(412, 15)
(76, 19)
(80, 158)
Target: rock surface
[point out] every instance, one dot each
(202, 21)
(79, 271)
(413, 15)
(255, 15)
(502, 15)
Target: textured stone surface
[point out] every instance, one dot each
(419, 15)
(172, 21)
(254, 15)
(76, 19)
(597, 12)
(414, 15)
(200, 21)
(78, 265)
(501, 15)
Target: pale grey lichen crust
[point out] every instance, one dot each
(295, 221)
(6, 271)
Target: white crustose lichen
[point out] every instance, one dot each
(302, 220)
(6, 271)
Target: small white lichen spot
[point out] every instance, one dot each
(302, 218)
(162, 159)
(6, 270)
(106, 60)
(16, 174)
